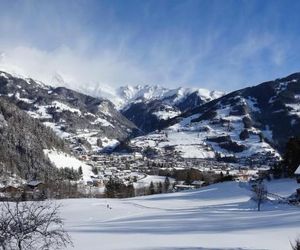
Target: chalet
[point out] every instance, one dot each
(198, 184)
(97, 182)
(263, 171)
(35, 190)
(2, 196)
(107, 173)
(182, 187)
(83, 157)
(90, 183)
(297, 174)
(137, 155)
(245, 175)
(35, 184)
(11, 191)
(79, 150)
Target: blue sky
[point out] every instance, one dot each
(221, 45)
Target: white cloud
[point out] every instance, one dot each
(75, 67)
(61, 41)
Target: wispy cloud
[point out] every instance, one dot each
(208, 44)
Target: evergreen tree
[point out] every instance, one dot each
(95, 170)
(110, 189)
(291, 158)
(167, 184)
(117, 189)
(277, 171)
(152, 188)
(160, 188)
(135, 179)
(80, 171)
(221, 177)
(130, 192)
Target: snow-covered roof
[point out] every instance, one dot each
(184, 186)
(198, 182)
(34, 183)
(298, 170)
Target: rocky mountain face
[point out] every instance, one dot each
(249, 125)
(22, 141)
(88, 123)
(149, 107)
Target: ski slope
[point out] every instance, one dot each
(219, 216)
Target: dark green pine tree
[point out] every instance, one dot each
(152, 188)
(110, 189)
(160, 188)
(80, 171)
(167, 184)
(291, 158)
(130, 192)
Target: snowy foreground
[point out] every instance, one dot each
(219, 216)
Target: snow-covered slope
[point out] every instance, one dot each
(219, 216)
(63, 160)
(250, 125)
(87, 122)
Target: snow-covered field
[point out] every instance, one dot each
(219, 216)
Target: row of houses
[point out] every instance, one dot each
(32, 190)
(194, 185)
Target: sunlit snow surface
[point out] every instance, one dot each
(219, 216)
(63, 160)
(189, 137)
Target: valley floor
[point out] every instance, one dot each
(219, 216)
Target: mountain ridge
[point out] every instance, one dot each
(242, 124)
(251, 124)
(154, 105)
(86, 122)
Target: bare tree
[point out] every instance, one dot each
(31, 225)
(296, 246)
(259, 194)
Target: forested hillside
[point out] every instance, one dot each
(22, 141)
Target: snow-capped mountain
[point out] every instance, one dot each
(250, 125)
(150, 106)
(124, 96)
(85, 121)
(153, 104)
(132, 94)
